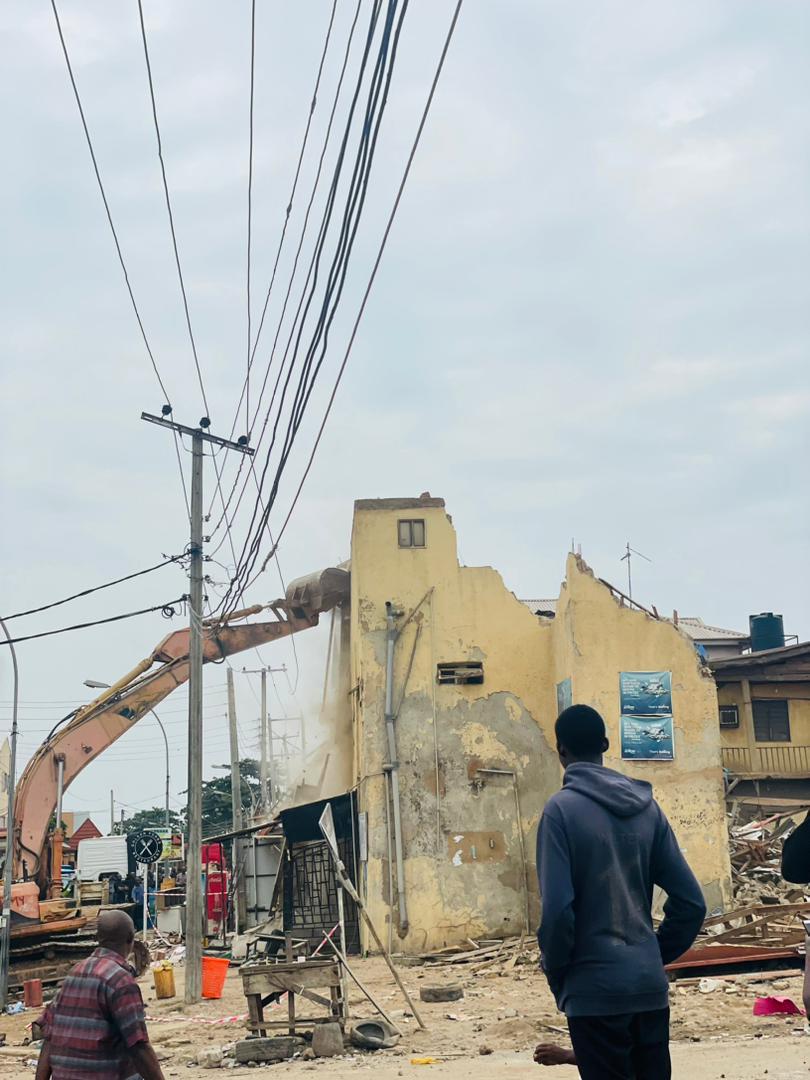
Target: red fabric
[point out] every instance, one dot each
(772, 1006)
(97, 1016)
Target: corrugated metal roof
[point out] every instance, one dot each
(698, 630)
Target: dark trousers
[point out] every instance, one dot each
(632, 1046)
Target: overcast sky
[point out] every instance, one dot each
(591, 321)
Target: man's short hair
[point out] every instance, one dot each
(581, 730)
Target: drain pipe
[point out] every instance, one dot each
(393, 760)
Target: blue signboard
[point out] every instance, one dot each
(565, 695)
(646, 693)
(647, 738)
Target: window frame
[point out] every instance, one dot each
(412, 524)
(726, 726)
(759, 736)
(460, 673)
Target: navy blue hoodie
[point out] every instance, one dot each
(602, 844)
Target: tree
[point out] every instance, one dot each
(154, 819)
(217, 816)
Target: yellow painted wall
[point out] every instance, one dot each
(602, 639)
(463, 855)
(798, 698)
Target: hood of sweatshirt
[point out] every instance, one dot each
(619, 794)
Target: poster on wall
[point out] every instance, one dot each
(647, 738)
(646, 693)
(565, 695)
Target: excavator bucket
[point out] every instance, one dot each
(319, 592)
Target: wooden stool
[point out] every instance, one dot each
(264, 983)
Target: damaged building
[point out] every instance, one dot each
(446, 687)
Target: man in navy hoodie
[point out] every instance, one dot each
(602, 846)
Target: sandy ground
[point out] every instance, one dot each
(714, 1034)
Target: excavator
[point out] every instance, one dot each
(36, 848)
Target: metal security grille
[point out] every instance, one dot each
(310, 893)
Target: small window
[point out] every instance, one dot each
(729, 716)
(771, 721)
(411, 533)
(460, 673)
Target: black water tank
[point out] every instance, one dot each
(767, 631)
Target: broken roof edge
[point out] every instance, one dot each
(425, 501)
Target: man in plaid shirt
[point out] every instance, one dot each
(96, 1026)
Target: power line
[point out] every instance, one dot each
(334, 279)
(367, 292)
(167, 609)
(169, 209)
(96, 588)
(316, 350)
(166, 397)
(290, 201)
(249, 215)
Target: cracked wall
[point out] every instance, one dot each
(469, 834)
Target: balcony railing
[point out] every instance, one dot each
(761, 761)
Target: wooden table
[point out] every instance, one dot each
(264, 983)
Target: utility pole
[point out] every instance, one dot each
(5, 940)
(263, 773)
(240, 899)
(194, 896)
(112, 814)
(265, 736)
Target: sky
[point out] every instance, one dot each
(590, 324)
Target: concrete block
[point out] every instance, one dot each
(327, 1040)
(279, 1048)
(441, 993)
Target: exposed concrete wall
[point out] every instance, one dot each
(464, 865)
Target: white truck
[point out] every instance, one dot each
(102, 856)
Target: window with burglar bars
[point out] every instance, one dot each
(771, 721)
(310, 893)
(460, 672)
(729, 716)
(411, 533)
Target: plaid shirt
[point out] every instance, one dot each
(96, 1018)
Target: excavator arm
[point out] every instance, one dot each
(98, 725)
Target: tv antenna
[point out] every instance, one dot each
(628, 558)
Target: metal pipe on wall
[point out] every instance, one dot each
(393, 764)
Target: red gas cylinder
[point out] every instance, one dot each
(32, 993)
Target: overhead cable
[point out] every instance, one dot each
(168, 610)
(290, 202)
(375, 268)
(97, 588)
(166, 397)
(315, 352)
(169, 209)
(249, 216)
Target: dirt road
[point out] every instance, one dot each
(715, 1035)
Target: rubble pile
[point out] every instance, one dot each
(756, 853)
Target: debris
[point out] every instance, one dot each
(756, 854)
(15, 1008)
(279, 1048)
(327, 1040)
(708, 986)
(441, 993)
(373, 1035)
(210, 1058)
(773, 1006)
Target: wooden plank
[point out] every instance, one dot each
(286, 981)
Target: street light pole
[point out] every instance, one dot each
(166, 743)
(5, 941)
(95, 685)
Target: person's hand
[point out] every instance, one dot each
(551, 1054)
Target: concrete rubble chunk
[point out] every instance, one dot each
(441, 993)
(279, 1048)
(327, 1040)
(210, 1058)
